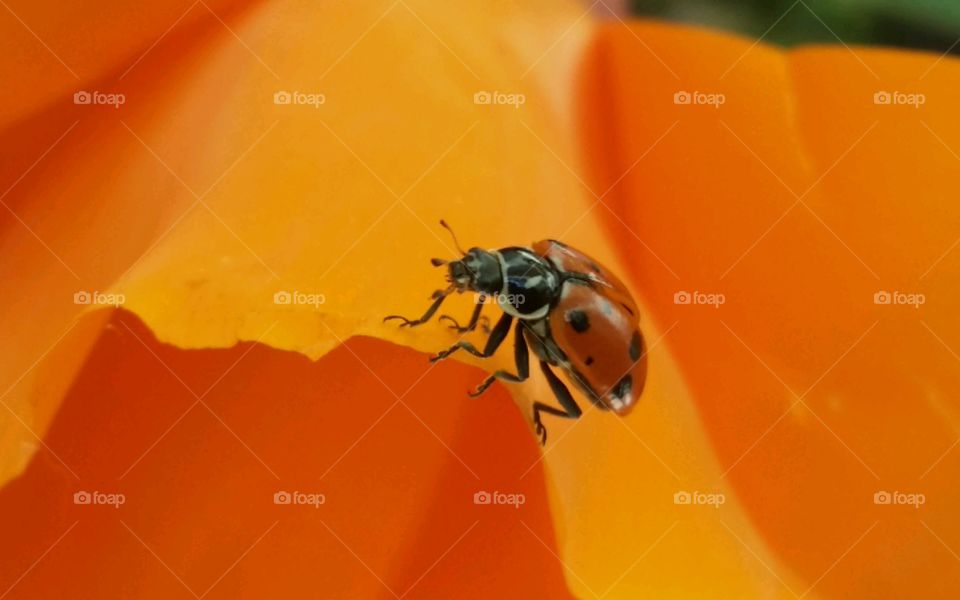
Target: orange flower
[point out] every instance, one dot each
(255, 186)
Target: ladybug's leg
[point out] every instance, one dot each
(520, 355)
(496, 338)
(474, 318)
(438, 297)
(570, 408)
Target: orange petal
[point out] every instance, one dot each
(798, 200)
(198, 479)
(192, 269)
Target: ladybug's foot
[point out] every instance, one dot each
(443, 354)
(406, 322)
(459, 346)
(493, 342)
(482, 387)
(541, 430)
(570, 408)
(456, 326)
(472, 324)
(437, 297)
(465, 345)
(520, 356)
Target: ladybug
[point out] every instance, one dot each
(575, 314)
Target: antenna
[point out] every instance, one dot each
(453, 235)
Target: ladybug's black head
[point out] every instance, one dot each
(478, 270)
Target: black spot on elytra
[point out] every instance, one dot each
(578, 320)
(636, 346)
(589, 361)
(623, 387)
